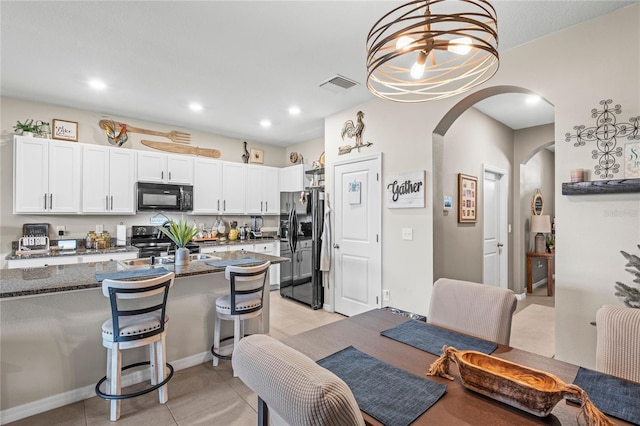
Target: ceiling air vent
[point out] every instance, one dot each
(338, 83)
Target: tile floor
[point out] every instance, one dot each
(204, 395)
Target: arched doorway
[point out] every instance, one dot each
(442, 175)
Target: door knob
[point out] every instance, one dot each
(500, 245)
(336, 246)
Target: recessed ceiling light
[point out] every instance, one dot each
(265, 123)
(533, 99)
(195, 107)
(97, 84)
(294, 110)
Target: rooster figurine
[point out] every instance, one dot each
(109, 128)
(351, 130)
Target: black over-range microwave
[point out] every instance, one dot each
(164, 197)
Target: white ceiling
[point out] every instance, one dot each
(244, 61)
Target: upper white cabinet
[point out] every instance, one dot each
(207, 186)
(164, 168)
(234, 187)
(108, 180)
(263, 195)
(46, 176)
(292, 178)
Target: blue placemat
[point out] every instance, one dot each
(613, 396)
(234, 262)
(431, 339)
(132, 273)
(391, 395)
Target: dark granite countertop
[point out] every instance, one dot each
(78, 252)
(238, 241)
(81, 276)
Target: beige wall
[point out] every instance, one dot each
(591, 229)
(473, 140)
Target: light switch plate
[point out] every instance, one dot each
(407, 234)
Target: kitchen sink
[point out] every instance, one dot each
(160, 260)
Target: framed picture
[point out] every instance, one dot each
(257, 156)
(467, 199)
(65, 130)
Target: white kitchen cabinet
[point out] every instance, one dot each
(213, 249)
(105, 257)
(272, 248)
(292, 178)
(238, 247)
(41, 262)
(108, 180)
(234, 187)
(46, 176)
(164, 168)
(207, 186)
(263, 195)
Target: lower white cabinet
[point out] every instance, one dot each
(41, 262)
(271, 247)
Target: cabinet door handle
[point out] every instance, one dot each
(260, 205)
(112, 202)
(224, 205)
(51, 201)
(106, 198)
(162, 175)
(218, 205)
(169, 175)
(266, 206)
(45, 201)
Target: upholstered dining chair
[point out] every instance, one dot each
(618, 342)
(292, 389)
(479, 310)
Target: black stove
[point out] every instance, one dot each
(151, 242)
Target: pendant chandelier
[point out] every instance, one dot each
(418, 53)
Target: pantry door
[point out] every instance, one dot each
(357, 250)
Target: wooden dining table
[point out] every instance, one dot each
(458, 406)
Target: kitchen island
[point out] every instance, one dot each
(50, 318)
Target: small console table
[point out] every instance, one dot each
(549, 257)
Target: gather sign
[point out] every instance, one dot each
(405, 190)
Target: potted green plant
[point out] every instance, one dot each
(25, 129)
(180, 233)
(551, 244)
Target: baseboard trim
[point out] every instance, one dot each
(49, 403)
(521, 296)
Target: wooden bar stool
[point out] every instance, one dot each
(134, 327)
(244, 302)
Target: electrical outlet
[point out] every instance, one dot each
(386, 295)
(99, 229)
(60, 230)
(407, 234)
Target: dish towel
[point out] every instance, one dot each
(325, 250)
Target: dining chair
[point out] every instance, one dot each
(292, 389)
(618, 341)
(243, 302)
(138, 318)
(476, 309)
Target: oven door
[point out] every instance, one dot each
(157, 196)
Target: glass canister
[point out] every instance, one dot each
(91, 240)
(106, 240)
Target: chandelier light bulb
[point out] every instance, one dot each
(460, 46)
(404, 42)
(417, 70)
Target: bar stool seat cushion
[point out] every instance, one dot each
(133, 325)
(243, 302)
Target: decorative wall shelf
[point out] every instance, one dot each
(615, 186)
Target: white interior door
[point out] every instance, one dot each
(494, 195)
(357, 253)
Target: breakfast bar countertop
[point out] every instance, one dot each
(81, 276)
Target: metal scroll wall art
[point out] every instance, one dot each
(606, 133)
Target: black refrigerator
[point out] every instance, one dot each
(301, 224)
